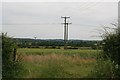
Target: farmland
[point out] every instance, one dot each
(57, 63)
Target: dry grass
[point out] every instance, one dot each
(41, 58)
(46, 63)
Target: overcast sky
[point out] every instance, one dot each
(43, 20)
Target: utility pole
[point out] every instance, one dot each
(65, 31)
(35, 40)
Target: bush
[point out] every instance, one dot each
(109, 65)
(111, 46)
(105, 69)
(10, 68)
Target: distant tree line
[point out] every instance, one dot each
(28, 43)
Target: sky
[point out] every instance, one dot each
(43, 19)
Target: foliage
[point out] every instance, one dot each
(10, 68)
(108, 64)
(111, 45)
(7, 49)
(105, 69)
(31, 43)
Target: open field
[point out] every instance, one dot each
(70, 52)
(57, 63)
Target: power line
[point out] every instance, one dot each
(51, 24)
(29, 23)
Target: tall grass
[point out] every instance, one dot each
(58, 66)
(56, 63)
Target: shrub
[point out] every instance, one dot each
(105, 69)
(110, 64)
(111, 46)
(10, 68)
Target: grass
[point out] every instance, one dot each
(82, 53)
(57, 63)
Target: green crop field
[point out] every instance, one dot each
(58, 63)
